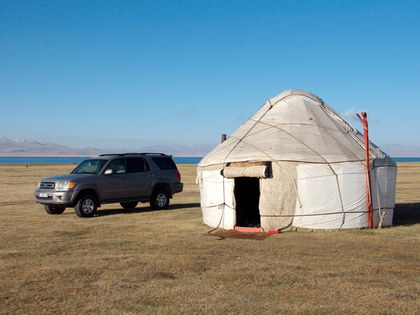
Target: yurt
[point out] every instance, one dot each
(297, 164)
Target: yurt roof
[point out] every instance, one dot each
(293, 126)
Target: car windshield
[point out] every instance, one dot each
(89, 167)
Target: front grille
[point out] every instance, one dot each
(47, 185)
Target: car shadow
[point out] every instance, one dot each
(406, 214)
(139, 209)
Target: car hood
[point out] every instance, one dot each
(66, 177)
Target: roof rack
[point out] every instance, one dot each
(147, 153)
(143, 153)
(110, 154)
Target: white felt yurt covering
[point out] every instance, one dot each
(309, 166)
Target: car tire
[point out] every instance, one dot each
(54, 209)
(159, 199)
(86, 206)
(129, 204)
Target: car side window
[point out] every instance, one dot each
(136, 165)
(117, 166)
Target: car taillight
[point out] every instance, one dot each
(178, 175)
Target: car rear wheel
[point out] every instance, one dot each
(159, 199)
(129, 204)
(86, 206)
(54, 209)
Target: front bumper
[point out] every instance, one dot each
(52, 197)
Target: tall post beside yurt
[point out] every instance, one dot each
(296, 164)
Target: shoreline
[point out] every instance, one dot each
(70, 164)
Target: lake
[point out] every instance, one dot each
(77, 160)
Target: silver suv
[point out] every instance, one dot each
(126, 178)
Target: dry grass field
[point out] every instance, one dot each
(157, 262)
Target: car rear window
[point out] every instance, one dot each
(164, 163)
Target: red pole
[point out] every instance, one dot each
(369, 207)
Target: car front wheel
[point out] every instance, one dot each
(86, 206)
(54, 209)
(159, 200)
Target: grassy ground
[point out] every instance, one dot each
(144, 261)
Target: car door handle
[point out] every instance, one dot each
(150, 175)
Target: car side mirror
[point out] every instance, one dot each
(108, 172)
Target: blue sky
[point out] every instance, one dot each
(126, 74)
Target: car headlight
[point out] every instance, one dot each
(64, 185)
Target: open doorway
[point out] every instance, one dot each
(247, 196)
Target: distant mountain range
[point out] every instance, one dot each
(397, 150)
(23, 147)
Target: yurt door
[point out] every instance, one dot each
(247, 197)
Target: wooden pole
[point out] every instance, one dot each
(369, 207)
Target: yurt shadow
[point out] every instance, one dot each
(406, 214)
